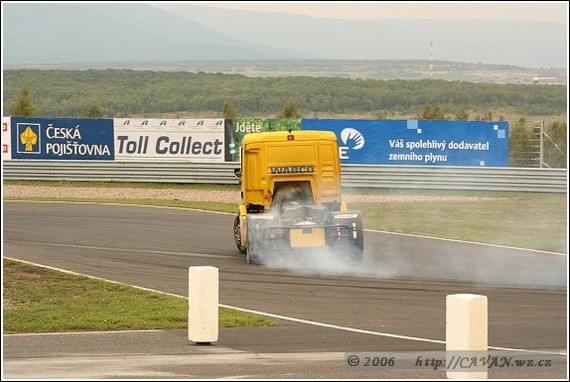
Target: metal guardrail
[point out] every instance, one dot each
(357, 176)
(456, 178)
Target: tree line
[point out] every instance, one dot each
(115, 93)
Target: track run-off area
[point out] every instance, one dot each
(393, 301)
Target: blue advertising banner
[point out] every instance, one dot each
(418, 142)
(62, 138)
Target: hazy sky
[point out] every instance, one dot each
(553, 11)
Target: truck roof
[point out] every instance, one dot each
(278, 136)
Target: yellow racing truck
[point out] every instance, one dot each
(291, 198)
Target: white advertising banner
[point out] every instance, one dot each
(169, 139)
(6, 139)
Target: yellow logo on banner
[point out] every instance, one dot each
(29, 139)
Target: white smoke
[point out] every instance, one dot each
(445, 261)
(490, 267)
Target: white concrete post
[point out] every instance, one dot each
(203, 295)
(465, 334)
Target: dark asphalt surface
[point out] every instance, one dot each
(239, 353)
(399, 289)
(285, 352)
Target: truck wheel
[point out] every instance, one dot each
(237, 236)
(252, 243)
(252, 256)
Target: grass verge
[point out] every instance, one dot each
(39, 299)
(525, 220)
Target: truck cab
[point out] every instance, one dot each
(292, 198)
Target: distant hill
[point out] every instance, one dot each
(53, 34)
(500, 42)
(56, 33)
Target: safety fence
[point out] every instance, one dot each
(354, 176)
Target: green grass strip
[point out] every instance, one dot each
(41, 300)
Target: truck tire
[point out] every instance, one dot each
(252, 252)
(252, 255)
(237, 236)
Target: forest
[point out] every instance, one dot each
(115, 93)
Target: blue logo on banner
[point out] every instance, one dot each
(62, 138)
(418, 142)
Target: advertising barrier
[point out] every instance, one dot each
(169, 139)
(6, 139)
(237, 128)
(62, 138)
(418, 142)
(379, 142)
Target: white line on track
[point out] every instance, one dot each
(286, 318)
